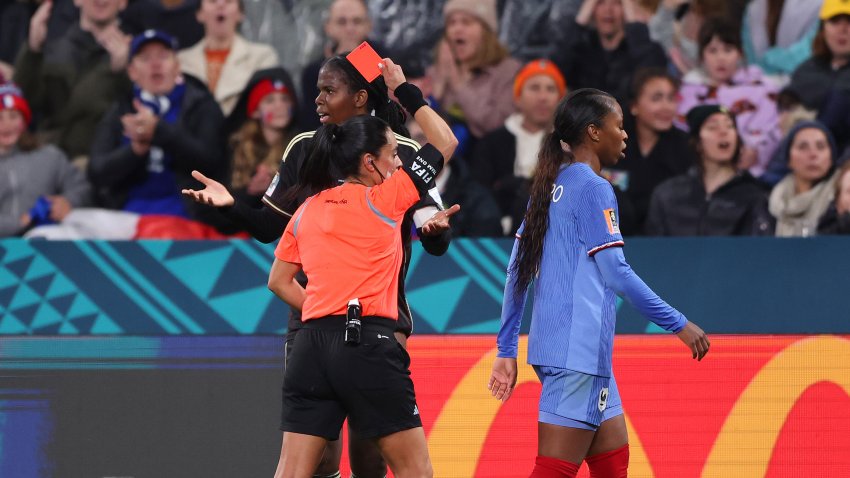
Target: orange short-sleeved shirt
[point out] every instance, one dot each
(348, 243)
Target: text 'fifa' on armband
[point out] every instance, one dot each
(426, 171)
(410, 97)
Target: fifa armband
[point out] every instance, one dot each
(424, 167)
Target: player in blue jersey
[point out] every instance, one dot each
(570, 245)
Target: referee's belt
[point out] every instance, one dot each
(337, 322)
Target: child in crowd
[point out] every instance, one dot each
(266, 118)
(38, 185)
(724, 79)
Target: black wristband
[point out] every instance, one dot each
(410, 97)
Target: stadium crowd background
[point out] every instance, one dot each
(122, 99)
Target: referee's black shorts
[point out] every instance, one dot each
(326, 380)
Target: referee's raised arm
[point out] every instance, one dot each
(435, 128)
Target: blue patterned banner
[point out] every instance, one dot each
(747, 285)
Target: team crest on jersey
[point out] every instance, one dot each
(611, 220)
(603, 399)
(273, 185)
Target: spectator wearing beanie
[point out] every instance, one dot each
(37, 183)
(804, 195)
(505, 159)
(606, 55)
(473, 73)
(714, 198)
(264, 121)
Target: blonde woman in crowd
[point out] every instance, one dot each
(473, 73)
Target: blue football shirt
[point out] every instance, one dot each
(572, 323)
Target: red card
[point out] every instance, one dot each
(366, 60)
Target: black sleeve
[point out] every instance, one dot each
(264, 224)
(423, 167)
(436, 245)
(267, 223)
(287, 177)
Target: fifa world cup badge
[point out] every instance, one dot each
(611, 221)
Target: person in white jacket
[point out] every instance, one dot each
(223, 60)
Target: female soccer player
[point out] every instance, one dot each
(347, 240)
(570, 244)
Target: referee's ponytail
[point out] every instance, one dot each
(580, 109)
(378, 100)
(335, 152)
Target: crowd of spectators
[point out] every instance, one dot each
(737, 112)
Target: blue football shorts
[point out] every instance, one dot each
(575, 399)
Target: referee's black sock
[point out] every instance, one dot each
(332, 475)
(355, 476)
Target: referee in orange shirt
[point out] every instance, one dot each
(346, 360)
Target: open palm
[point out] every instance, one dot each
(213, 194)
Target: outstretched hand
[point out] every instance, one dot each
(213, 194)
(439, 222)
(503, 378)
(695, 339)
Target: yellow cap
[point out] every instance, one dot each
(832, 8)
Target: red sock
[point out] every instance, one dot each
(548, 467)
(611, 464)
